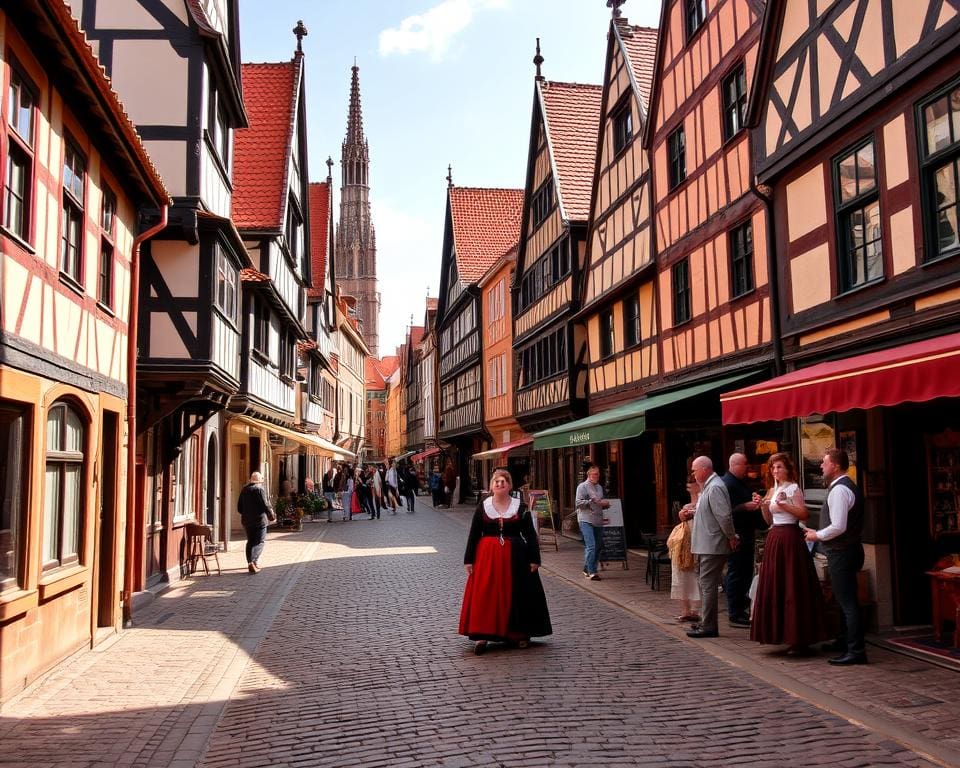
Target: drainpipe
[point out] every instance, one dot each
(132, 528)
(773, 275)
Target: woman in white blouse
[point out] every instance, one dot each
(788, 608)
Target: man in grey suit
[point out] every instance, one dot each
(712, 540)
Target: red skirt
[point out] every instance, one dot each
(789, 607)
(488, 596)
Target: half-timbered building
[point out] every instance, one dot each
(272, 212)
(429, 457)
(856, 117)
(710, 239)
(509, 446)
(481, 224)
(616, 292)
(413, 389)
(350, 364)
(319, 406)
(79, 191)
(550, 351)
(176, 65)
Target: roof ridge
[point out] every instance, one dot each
(549, 83)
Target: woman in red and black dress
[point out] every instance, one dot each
(504, 599)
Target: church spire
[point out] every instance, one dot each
(355, 155)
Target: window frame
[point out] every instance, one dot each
(735, 108)
(105, 265)
(228, 278)
(63, 457)
(218, 128)
(932, 161)
(72, 213)
(694, 15)
(680, 292)
(632, 333)
(608, 340)
(16, 419)
(741, 260)
(844, 211)
(261, 328)
(622, 120)
(23, 148)
(677, 157)
(541, 202)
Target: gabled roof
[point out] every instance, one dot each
(374, 376)
(262, 151)
(416, 336)
(486, 224)
(572, 118)
(319, 201)
(640, 43)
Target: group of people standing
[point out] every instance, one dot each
(788, 606)
(371, 489)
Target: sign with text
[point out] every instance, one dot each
(540, 508)
(613, 536)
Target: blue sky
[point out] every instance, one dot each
(441, 82)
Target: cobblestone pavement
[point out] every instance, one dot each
(343, 652)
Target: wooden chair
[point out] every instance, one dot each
(200, 546)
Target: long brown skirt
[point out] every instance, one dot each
(789, 607)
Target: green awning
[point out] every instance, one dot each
(624, 421)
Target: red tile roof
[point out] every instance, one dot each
(251, 275)
(432, 302)
(641, 46)
(374, 378)
(389, 364)
(416, 336)
(319, 202)
(572, 115)
(486, 224)
(262, 151)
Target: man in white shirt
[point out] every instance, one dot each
(840, 538)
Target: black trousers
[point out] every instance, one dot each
(844, 565)
(256, 538)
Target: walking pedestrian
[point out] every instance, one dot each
(503, 599)
(590, 505)
(712, 539)
(745, 510)
(449, 482)
(364, 490)
(683, 564)
(412, 484)
(436, 483)
(256, 513)
(840, 538)
(391, 484)
(347, 493)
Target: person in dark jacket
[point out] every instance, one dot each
(411, 485)
(256, 513)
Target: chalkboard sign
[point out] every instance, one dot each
(542, 513)
(613, 536)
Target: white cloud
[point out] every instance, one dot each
(408, 261)
(433, 31)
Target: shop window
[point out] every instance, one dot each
(860, 245)
(18, 178)
(677, 157)
(680, 274)
(734, 101)
(741, 259)
(71, 229)
(940, 171)
(14, 485)
(622, 127)
(63, 487)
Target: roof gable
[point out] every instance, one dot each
(319, 201)
(640, 45)
(262, 151)
(486, 224)
(571, 114)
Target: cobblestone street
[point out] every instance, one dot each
(343, 652)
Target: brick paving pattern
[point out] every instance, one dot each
(343, 652)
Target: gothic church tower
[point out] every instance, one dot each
(356, 248)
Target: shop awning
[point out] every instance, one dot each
(402, 456)
(913, 373)
(302, 438)
(624, 421)
(424, 454)
(503, 449)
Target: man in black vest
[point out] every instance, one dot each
(842, 521)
